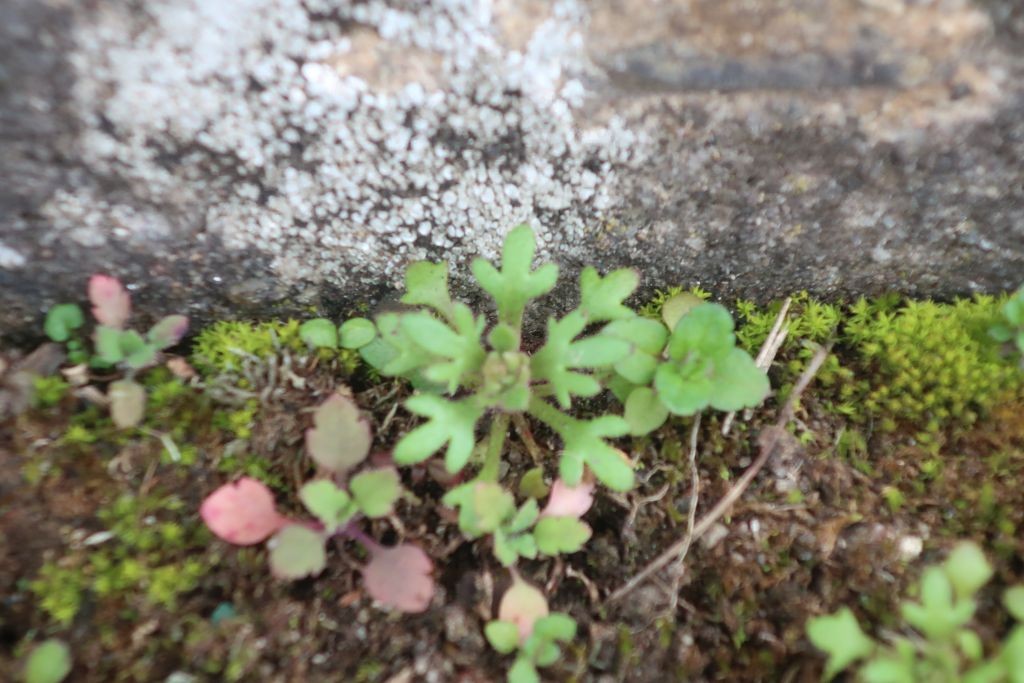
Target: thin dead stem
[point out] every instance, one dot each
(691, 518)
(771, 442)
(769, 349)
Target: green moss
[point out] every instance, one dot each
(255, 466)
(652, 308)
(164, 389)
(369, 671)
(143, 560)
(222, 346)
(922, 364)
(238, 422)
(929, 364)
(808, 319)
(79, 435)
(48, 391)
(60, 590)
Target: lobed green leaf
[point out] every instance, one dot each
(841, 637)
(644, 411)
(601, 297)
(168, 331)
(450, 422)
(515, 284)
(706, 330)
(558, 535)
(426, 284)
(340, 438)
(502, 635)
(967, 569)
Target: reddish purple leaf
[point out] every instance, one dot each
(569, 501)
(168, 331)
(111, 304)
(242, 512)
(399, 577)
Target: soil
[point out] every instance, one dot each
(836, 521)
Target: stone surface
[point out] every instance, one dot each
(263, 156)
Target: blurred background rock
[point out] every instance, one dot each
(262, 157)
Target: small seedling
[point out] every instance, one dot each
(319, 333)
(115, 346)
(466, 370)
(526, 627)
(244, 513)
(942, 647)
(62, 323)
(486, 508)
(464, 375)
(471, 370)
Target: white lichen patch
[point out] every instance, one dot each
(343, 138)
(11, 259)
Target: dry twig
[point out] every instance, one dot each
(691, 518)
(769, 349)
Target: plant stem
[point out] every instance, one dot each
(552, 416)
(352, 530)
(495, 445)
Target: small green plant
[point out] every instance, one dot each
(1010, 328)
(244, 513)
(114, 345)
(61, 325)
(940, 646)
(464, 375)
(49, 662)
(469, 370)
(525, 627)
(704, 368)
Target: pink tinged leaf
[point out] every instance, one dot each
(569, 501)
(168, 331)
(399, 577)
(180, 368)
(340, 438)
(111, 304)
(522, 605)
(296, 551)
(242, 512)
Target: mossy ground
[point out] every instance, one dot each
(913, 431)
